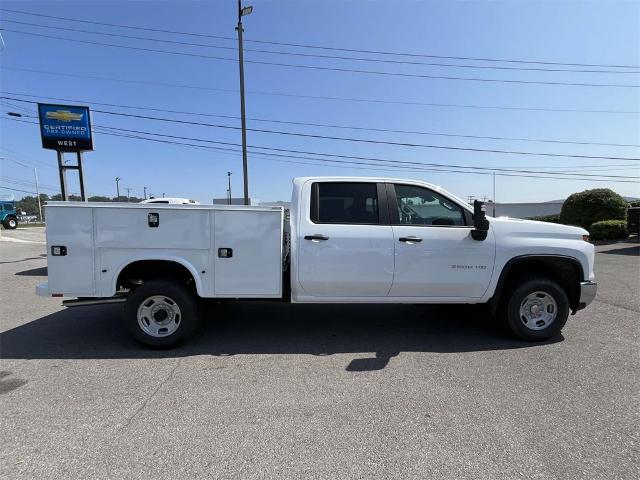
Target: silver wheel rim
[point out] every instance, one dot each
(159, 316)
(538, 310)
(12, 223)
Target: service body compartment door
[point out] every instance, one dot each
(177, 228)
(71, 274)
(247, 253)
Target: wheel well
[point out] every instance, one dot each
(565, 271)
(136, 273)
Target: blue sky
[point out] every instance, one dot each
(567, 32)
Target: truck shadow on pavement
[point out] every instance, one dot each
(33, 272)
(248, 328)
(633, 251)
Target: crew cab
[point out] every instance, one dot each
(348, 240)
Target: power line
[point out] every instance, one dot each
(377, 166)
(27, 183)
(369, 141)
(349, 164)
(300, 45)
(329, 57)
(376, 142)
(30, 182)
(324, 125)
(157, 30)
(320, 97)
(334, 69)
(395, 163)
(16, 189)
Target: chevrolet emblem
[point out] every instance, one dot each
(64, 116)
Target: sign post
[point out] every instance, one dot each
(66, 128)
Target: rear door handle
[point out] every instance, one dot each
(410, 239)
(317, 236)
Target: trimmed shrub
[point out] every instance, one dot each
(591, 206)
(609, 230)
(635, 203)
(546, 218)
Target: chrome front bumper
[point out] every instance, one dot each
(587, 293)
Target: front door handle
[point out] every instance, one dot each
(317, 236)
(410, 239)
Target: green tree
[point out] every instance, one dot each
(29, 204)
(72, 198)
(590, 206)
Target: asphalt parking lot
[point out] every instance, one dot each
(293, 391)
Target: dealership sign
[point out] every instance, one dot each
(65, 128)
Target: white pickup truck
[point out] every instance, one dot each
(348, 240)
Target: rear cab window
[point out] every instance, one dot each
(353, 203)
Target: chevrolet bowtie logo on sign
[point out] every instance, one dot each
(65, 128)
(64, 115)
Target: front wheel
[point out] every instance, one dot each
(536, 309)
(161, 313)
(10, 223)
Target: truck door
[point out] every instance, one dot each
(345, 244)
(435, 255)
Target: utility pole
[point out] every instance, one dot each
(128, 194)
(229, 189)
(117, 188)
(494, 193)
(35, 174)
(145, 192)
(242, 11)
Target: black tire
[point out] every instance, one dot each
(517, 323)
(10, 223)
(185, 319)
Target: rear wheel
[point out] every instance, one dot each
(537, 309)
(10, 223)
(161, 313)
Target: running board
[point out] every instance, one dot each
(81, 302)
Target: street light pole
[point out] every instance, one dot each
(241, 12)
(117, 188)
(145, 192)
(229, 189)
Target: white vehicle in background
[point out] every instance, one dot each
(171, 200)
(348, 240)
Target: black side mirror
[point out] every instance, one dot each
(480, 222)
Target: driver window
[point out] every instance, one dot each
(419, 206)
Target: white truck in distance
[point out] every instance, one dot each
(349, 240)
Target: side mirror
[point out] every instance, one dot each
(480, 222)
